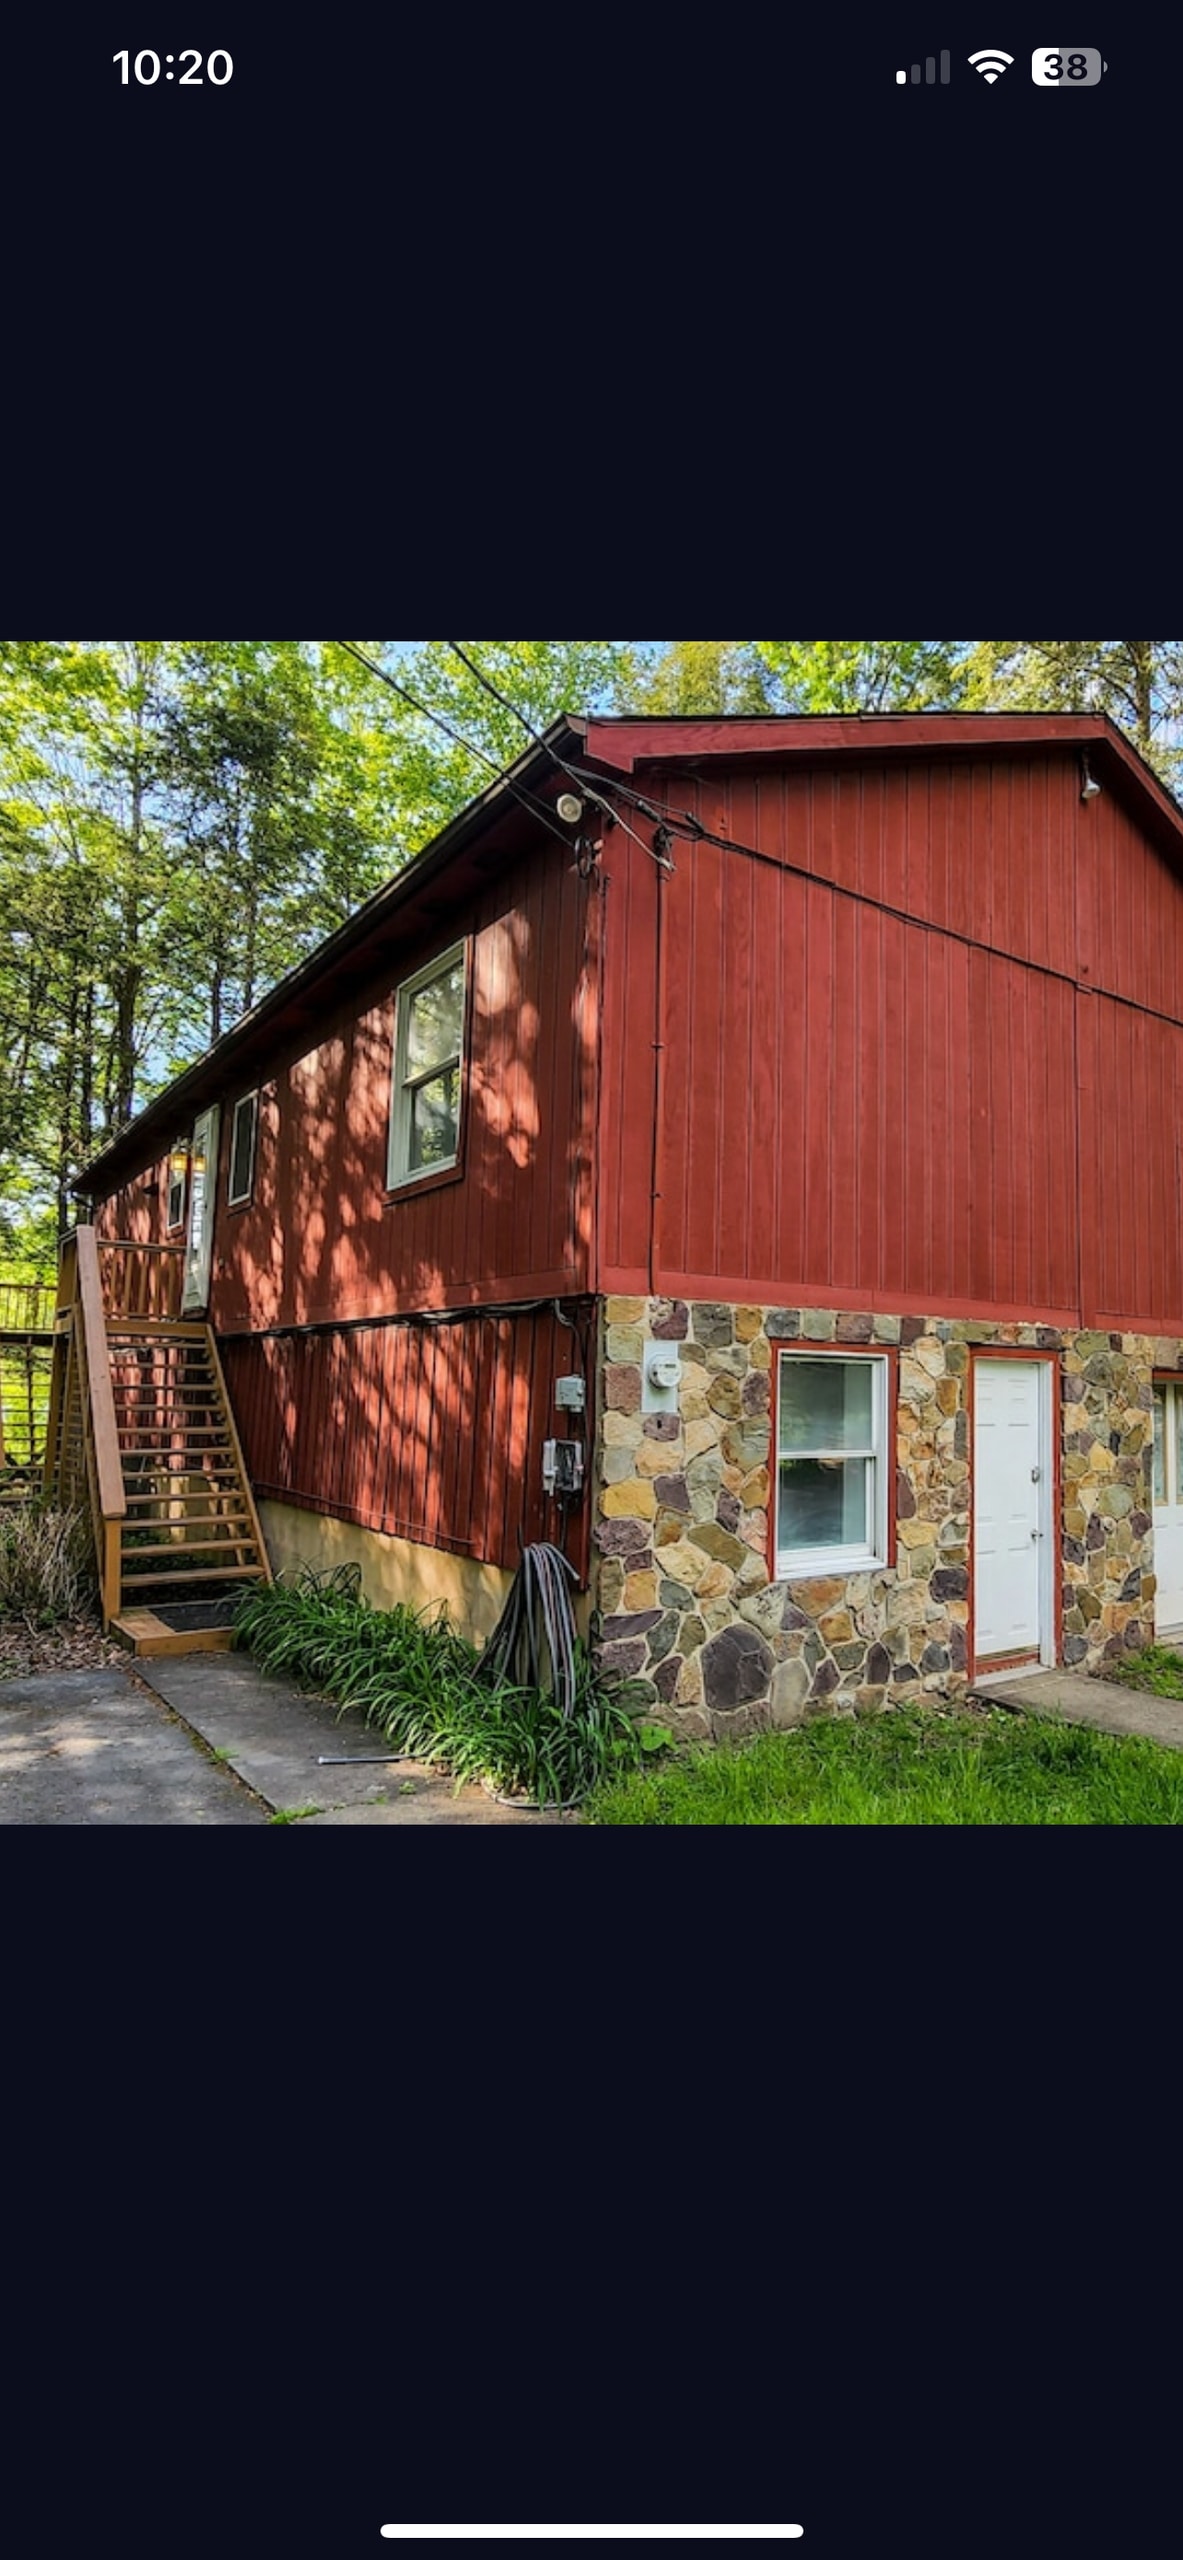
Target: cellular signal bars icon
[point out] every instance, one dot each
(930, 73)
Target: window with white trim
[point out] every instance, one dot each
(832, 1462)
(428, 1071)
(242, 1151)
(178, 1185)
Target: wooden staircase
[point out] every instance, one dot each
(141, 1428)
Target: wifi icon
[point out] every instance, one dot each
(991, 62)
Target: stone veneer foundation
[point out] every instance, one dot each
(688, 1613)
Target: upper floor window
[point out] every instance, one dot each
(832, 1463)
(428, 1071)
(178, 1185)
(242, 1151)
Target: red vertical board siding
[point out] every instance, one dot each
(848, 1033)
(433, 1434)
(1132, 1101)
(859, 1106)
(710, 1030)
(764, 1108)
(1135, 946)
(629, 977)
(322, 1242)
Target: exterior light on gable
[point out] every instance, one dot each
(1091, 790)
(570, 809)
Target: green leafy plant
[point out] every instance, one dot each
(414, 1678)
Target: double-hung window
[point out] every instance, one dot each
(243, 1142)
(832, 1463)
(428, 1071)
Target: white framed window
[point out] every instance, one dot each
(428, 1070)
(833, 1414)
(178, 1185)
(243, 1140)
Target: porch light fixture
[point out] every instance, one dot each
(1091, 790)
(570, 809)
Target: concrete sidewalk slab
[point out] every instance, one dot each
(89, 1747)
(1066, 1697)
(273, 1736)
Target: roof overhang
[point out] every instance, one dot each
(629, 746)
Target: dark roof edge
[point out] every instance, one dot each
(160, 1117)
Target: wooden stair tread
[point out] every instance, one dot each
(194, 1547)
(188, 1522)
(211, 1573)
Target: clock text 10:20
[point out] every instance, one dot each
(218, 69)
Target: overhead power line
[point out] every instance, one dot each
(580, 779)
(537, 808)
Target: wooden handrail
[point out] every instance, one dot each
(92, 1337)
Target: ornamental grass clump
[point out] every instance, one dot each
(46, 1565)
(417, 1682)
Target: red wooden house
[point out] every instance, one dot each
(807, 1110)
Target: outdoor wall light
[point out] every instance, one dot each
(570, 809)
(1091, 790)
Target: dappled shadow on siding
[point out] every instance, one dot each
(432, 1432)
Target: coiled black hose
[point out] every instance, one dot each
(537, 1623)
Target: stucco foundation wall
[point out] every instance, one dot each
(689, 1612)
(393, 1569)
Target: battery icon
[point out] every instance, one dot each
(1063, 66)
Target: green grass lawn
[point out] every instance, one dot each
(910, 1767)
(1159, 1669)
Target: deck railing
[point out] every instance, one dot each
(142, 1280)
(26, 1351)
(26, 1306)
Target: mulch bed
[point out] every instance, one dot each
(25, 1651)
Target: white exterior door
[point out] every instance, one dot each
(1168, 1507)
(202, 1196)
(1012, 1510)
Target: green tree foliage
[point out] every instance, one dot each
(803, 676)
(431, 777)
(865, 675)
(710, 678)
(1138, 682)
(180, 823)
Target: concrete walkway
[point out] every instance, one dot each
(1106, 1706)
(274, 1737)
(92, 1747)
(111, 1747)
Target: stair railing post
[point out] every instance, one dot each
(103, 1461)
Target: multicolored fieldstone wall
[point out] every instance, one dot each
(689, 1613)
